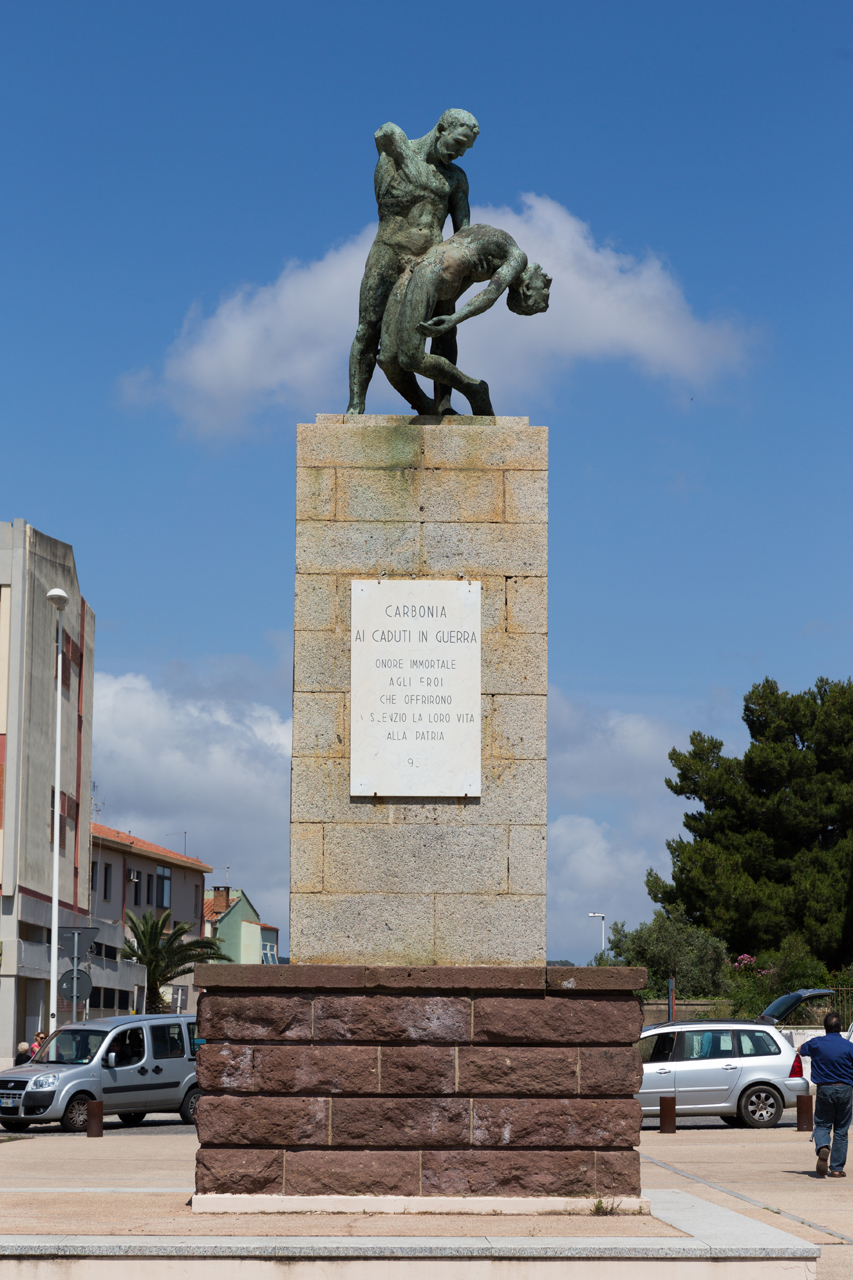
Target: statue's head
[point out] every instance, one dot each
(455, 132)
(530, 293)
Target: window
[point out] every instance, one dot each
(77, 1047)
(197, 902)
(149, 894)
(705, 1045)
(123, 1001)
(110, 953)
(192, 1039)
(98, 948)
(657, 1048)
(108, 881)
(128, 1046)
(137, 891)
(167, 1040)
(95, 997)
(108, 998)
(757, 1044)
(268, 953)
(94, 882)
(164, 887)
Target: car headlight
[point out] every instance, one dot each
(45, 1082)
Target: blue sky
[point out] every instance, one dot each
(164, 161)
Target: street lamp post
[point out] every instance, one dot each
(597, 915)
(59, 600)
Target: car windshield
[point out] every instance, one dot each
(73, 1045)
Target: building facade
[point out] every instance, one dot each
(230, 917)
(31, 564)
(130, 874)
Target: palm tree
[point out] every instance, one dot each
(163, 953)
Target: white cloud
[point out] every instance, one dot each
(219, 769)
(286, 343)
(609, 766)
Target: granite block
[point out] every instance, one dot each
(527, 605)
(263, 1017)
(262, 1122)
(319, 721)
(518, 724)
(315, 493)
(352, 1173)
(556, 1020)
(294, 1069)
(306, 857)
(519, 1072)
(475, 550)
(508, 1173)
(316, 602)
(528, 856)
(526, 497)
(415, 859)
(361, 548)
(362, 928)
(238, 1171)
(226, 1066)
(489, 929)
(515, 664)
(509, 445)
(394, 442)
(321, 664)
(610, 1072)
(418, 1069)
(555, 1122)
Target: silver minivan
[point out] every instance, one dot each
(133, 1064)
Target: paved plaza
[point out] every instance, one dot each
(138, 1182)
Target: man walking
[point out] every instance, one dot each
(832, 1073)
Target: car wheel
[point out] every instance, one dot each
(760, 1107)
(15, 1126)
(188, 1106)
(76, 1115)
(132, 1118)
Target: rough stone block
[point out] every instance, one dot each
(239, 1171)
(596, 978)
(527, 605)
(262, 1122)
(360, 547)
(609, 1072)
(489, 929)
(316, 602)
(316, 1069)
(306, 857)
(520, 1072)
(321, 664)
(492, 603)
(555, 1122)
(416, 859)
(437, 1019)
(252, 1018)
(617, 1173)
(526, 497)
(391, 442)
(477, 549)
(379, 495)
(431, 979)
(400, 1122)
(226, 1066)
(517, 724)
(318, 723)
(508, 1173)
(506, 446)
(556, 1020)
(528, 852)
(466, 496)
(514, 664)
(514, 791)
(352, 1173)
(419, 1069)
(315, 493)
(361, 928)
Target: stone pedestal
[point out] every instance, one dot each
(421, 881)
(431, 1082)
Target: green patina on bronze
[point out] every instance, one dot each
(413, 279)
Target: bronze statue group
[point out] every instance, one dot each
(413, 278)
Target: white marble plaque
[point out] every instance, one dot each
(415, 688)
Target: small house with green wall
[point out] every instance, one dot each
(230, 917)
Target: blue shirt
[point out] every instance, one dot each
(832, 1058)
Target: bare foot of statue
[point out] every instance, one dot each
(352, 407)
(481, 405)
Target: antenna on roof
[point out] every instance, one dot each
(227, 869)
(179, 833)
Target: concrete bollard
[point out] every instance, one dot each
(94, 1119)
(805, 1113)
(667, 1115)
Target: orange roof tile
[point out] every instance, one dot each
(100, 832)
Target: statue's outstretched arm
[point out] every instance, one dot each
(458, 207)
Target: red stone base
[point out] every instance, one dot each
(333, 1080)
